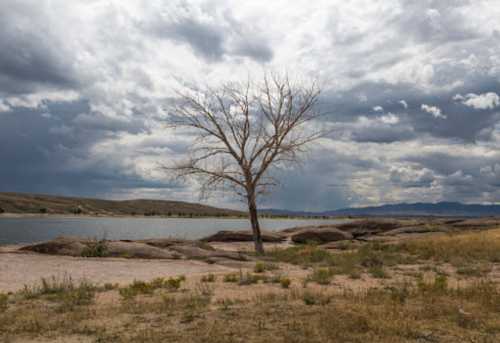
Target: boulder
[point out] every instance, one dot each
(241, 236)
(320, 235)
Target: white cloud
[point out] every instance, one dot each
(434, 110)
(4, 107)
(404, 103)
(390, 118)
(483, 101)
(378, 109)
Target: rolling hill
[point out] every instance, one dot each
(49, 204)
(403, 209)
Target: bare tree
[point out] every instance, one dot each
(243, 131)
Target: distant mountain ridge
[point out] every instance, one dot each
(49, 204)
(403, 209)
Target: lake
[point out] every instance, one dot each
(29, 230)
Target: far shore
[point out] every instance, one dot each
(69, 216)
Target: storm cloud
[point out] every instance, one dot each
(411, 92)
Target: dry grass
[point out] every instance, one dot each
(407, 312)
(210, 309)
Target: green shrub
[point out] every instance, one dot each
(261, 267)
(97, 248)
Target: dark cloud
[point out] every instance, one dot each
(118, 58)
(210, 34)
(31, 57)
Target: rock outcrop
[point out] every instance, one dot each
(242, 236)
(320, 235)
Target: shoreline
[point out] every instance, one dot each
(90, 216)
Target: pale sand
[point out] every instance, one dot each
(19, 269)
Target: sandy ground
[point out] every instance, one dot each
(19, 269)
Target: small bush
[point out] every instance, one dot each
(438, 286)
(248, 279)
(2, 210)
(174, 283)
(285, 282)
(148, 288)
(110, 286)
(208, 278)
(378, 272)
(322, 276)
(84, 294)
(312, 298)
(474, 270)
(97, 248)
(231, 278)
(261, 267)
(4, 299)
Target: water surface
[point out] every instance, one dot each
(28, 230)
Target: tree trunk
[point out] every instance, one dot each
(254, 220)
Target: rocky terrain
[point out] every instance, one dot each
(211, 250)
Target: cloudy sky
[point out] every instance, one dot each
(412, 87)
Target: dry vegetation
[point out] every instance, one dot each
(435, 289)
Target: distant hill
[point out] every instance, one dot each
(404, 209)
(37, 203)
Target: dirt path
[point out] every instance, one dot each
(18, 269)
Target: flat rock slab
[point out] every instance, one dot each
(242, 236)
(145, 249)
(361, 228)
(412, 229)
(320, 235)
